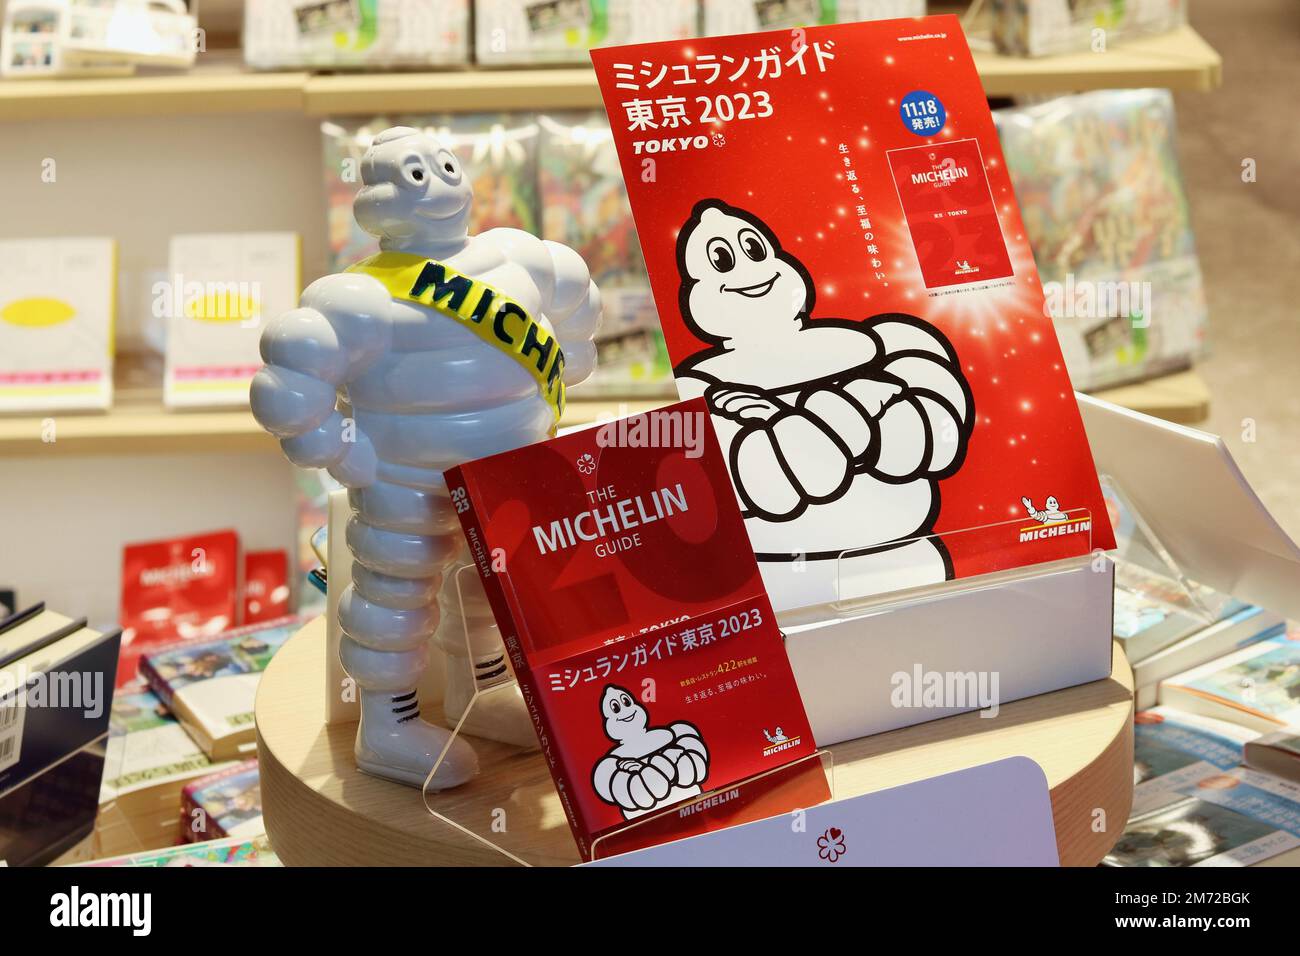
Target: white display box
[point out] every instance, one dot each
(864, 669)
(222, 290)
(57, 307)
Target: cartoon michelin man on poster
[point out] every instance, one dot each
(443, 348)
(838, 432)
(648, 767)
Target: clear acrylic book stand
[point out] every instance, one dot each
(512, 805)
(1145, 567)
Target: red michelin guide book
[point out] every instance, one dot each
(179, 589)
(636, 623)
(841, 271)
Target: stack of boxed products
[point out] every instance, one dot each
(96, 37)
(1217, 729)
(285, 34)
(58, 300)
(1106, 214)
(201, 620)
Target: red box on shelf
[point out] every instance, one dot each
(177, 589)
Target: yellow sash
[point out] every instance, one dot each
(494, 317)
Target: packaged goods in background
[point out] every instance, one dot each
(1045, 27)
(723, 17)
(357, 34)
(1106, 214)
(516, 32)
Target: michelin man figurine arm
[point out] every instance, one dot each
(443, 348)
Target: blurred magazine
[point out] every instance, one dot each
(1198, 832)
(1106, 214)
(252, 851)
(1247, 627)
(1257, 686)
(1173, 750)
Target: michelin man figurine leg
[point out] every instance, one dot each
(476, 663)
(442, 348)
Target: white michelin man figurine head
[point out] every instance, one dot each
(414, 192)
(624, 717)
(737, 281)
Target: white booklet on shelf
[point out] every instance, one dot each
(221, 290)
(57, 303)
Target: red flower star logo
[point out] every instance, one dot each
(830, 845)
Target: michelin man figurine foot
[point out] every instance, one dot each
(442, 348)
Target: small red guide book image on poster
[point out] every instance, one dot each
(841, 272)
(635, 619)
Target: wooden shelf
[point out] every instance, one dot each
(223, 87)
(320, 810)
(1178, 60)
(463, 91)
(140, 425)
(1182, 397)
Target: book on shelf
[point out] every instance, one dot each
(1247, 626)
(57, 303)
(1257, 686)
(1277, 753)
(209, 685)
(150, 758)
(56, 684)
(225, 288)
(267, 592)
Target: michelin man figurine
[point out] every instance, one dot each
(442, 348)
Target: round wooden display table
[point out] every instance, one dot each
(321, 811)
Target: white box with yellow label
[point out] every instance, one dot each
(57, 302)
(220, 291)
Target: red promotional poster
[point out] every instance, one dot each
(842, 273)
(266, 586)
(178, 589)
(636, 622)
